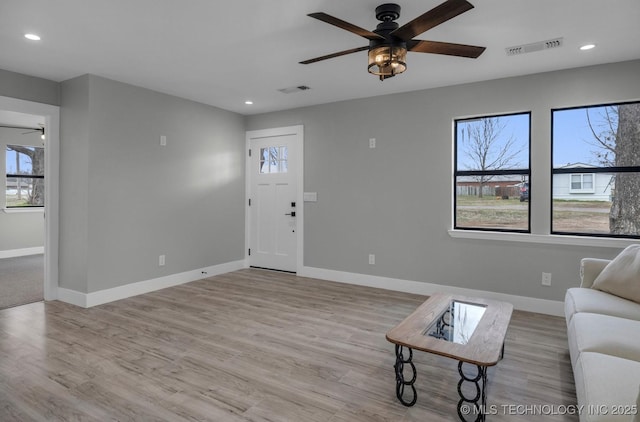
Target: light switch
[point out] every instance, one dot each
(163, 140)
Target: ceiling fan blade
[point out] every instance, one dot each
(338, 54)
(450, 49)
(434, 17)
(346, 26)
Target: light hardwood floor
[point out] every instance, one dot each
(254, 345)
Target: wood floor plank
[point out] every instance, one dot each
(254, 346)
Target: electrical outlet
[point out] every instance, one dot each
(546, 279)
(372, 142)
(372, 259)
(161, 260)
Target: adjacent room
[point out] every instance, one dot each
(21, 222)
(320, 211)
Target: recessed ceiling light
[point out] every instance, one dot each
(248, 102)
(32, 37)
(587, 47)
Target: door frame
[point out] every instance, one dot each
(51, 115)
(298, 135)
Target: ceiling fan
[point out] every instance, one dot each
(29, 130)
(389, 42)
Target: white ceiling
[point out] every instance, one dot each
(223, 53)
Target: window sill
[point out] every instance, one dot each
(581, 191)
(22, 210)
(549, 239)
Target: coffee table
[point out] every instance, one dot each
(469, 330)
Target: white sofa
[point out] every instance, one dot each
(604, 345)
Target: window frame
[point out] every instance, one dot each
(519, 171)
(585, 170)
(8, 176)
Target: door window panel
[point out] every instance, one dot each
(274, 159)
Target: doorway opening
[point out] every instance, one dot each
(29, 146)
(22, 171)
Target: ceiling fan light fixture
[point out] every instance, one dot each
(387, 60)
(389, 42)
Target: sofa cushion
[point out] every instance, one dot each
(621, 277)
(594, 301)
(604, 334)
(590, 269)
(604, 382)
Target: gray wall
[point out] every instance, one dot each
(30, 88)
(395, 200)
(25, 229)
(125, 199)
(74, 187)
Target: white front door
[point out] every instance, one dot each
(273, 201)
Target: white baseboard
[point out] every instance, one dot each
(72, 296)
(13, 253)
(523, 303)
(87, 300)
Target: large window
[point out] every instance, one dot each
(596, 170)
(25, 176)
(492, 174)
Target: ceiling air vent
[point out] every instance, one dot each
(293, 89)
(537, 46)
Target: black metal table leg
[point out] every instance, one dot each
(476, 405)
(400, 380)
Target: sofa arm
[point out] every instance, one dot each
(590, 268)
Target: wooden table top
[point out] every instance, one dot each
(484, 346)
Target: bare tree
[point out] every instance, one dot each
(624, 217)
(486, 148)
(617, 138)
(603, 129)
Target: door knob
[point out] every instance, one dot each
(292, 214)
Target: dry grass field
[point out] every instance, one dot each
(510, 214)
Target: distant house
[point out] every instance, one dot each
(507, 186)
(583, 186)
